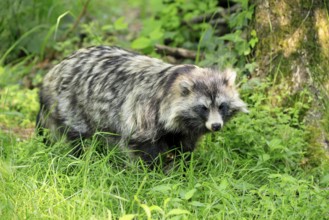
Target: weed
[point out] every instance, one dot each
(255, 168)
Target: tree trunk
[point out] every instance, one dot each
(293, 50)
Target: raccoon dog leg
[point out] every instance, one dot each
(150, 152)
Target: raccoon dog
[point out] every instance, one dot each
(154, 107)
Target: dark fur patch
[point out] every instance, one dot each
(202, 111)
(172, 78)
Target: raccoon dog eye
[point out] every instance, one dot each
(223, 106)
(204, 108)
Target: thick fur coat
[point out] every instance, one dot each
(154, 107)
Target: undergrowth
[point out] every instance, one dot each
(254, 168)
(258, 167)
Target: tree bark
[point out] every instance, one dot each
(293, 50)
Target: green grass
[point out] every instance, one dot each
(254, 169)
(261, 166)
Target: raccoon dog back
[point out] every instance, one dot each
(154, 107)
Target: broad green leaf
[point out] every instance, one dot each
(120, 24)
(178, 212)
(266, 157)
(156, 34)
(141, 43)
(162, 188)
(197, 204)
(146, 210)
(253, 42)
(189, 194)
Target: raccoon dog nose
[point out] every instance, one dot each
(216, 127)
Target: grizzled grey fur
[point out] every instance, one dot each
(154, 107)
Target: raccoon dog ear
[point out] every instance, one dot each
(185, 87)
(230, 76)
(240, 105)
(244, 109)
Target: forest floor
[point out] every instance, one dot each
(261, 165)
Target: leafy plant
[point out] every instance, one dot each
(256, 168)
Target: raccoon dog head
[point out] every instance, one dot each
(205, 99)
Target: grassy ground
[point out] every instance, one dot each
(257, 167)
(264, 165)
